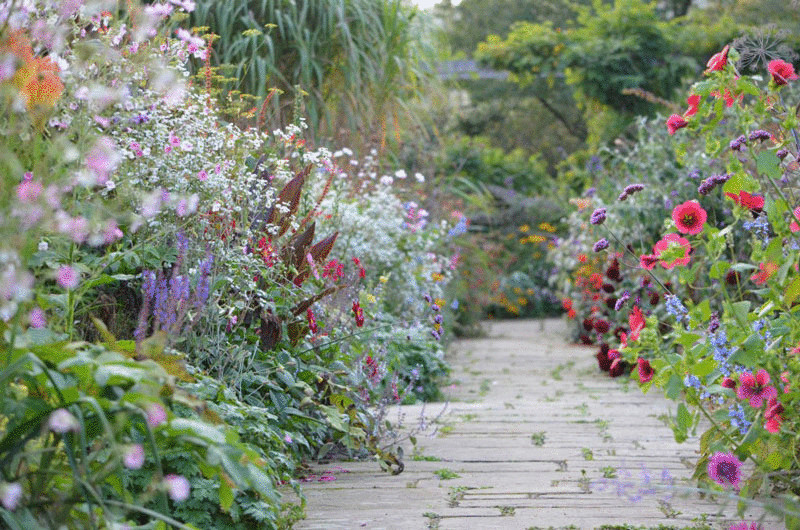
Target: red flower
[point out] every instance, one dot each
(362, 273)
(781, 71)
(601, 326)
(333, 270)
(645, 370)
(745, 200)
(694, 104)
(727, 382)
(617, 366)
(636, 322)
(571, 313)
(766, 270)
(773, 415)
(675, 122)
(648, 261)
(566, 303)
(794, 226)
(689, 217)
(603, 360)
(312, 323)
(729, 99)
(359, 313)
(266, 251)
(669, 241)
(718, 61)
(754, 388)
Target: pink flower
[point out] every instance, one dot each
(744, 526)
(718, 61)
(689, 217)
(794, 227)
(648, 261)
(675, 122)
(636, 322)
(725, 469)
(754, 388)
(745, 200)
(781, 71)
(156, 415)
(773, 415)
(10, 495)
(102, 159)
(67, 277)
(645, 370)
(203, 175)
(670, 241)
(62, 421)
(28, 191)
(177, 486)
(133, 457)
(37, 318)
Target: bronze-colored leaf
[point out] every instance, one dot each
(270, 331)
(296, 331)
(322, 248)
(300, 308)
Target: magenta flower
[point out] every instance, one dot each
(689, 217)
(754, 388)
(133, 456)
(67, 277)
(773, 416)
(744, 526)
(718, 61)
(29, 190)
(177, 487)
(725, 469)
(10, 495)
(102, 159)
(156, 415)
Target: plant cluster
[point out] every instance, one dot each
(695, 290)
(189, 308)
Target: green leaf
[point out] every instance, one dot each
(792, 292)
(674, 387)
(704, 367)
(684, 418)
(718, 269)
(686, 339)
(225, 494)
(768, 164)
(197, 428)
(740, 311)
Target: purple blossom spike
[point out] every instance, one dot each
(600, 245)
(598, 216)
(759, 134)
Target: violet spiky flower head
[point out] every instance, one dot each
(600, 245)
(725, 469)
(598, 216)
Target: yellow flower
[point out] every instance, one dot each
(547, 227)
(524, 228)
(370, 298)
(517, 290)
(440, 302)
(530, 292)
(383, 279)
(536, 238)
(522, 301)
(437, 277)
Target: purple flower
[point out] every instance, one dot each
(759, 134)
(62, 421)
(725, 469)
(712, 182)
(598, 216)
(10, 495)
(67, 277)
(621, 301)
(177, 487)
(133, 456)
(629, 190)
(782, 153)
(601, 244)
(736, 145)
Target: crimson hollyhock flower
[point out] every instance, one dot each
(754, 203)
(725, 469)
(675, 122)
(773, 416)
(603, 360)
(781, 71)
(636, 322)
(617, 365)
(766, 270)
(668, 241)
(359, 313)
(689, 217)
(718, 61)
(645, 370)
(694, 104)
(754, 388)
(728, 383)
(312, 322)
(601, 326)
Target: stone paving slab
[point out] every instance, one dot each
(537, 438)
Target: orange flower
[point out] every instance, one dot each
(766, 270)
(44, 86)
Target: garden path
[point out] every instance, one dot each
(537, 437)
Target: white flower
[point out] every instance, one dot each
(43, 246)
(133, 457)
(420, 177)
(400, 173)
(62, 421)
(178, 487)
(10, 495)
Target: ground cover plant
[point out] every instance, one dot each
(190, 308)
(683, 270)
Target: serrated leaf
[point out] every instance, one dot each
(768, 163)
(684, 418)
